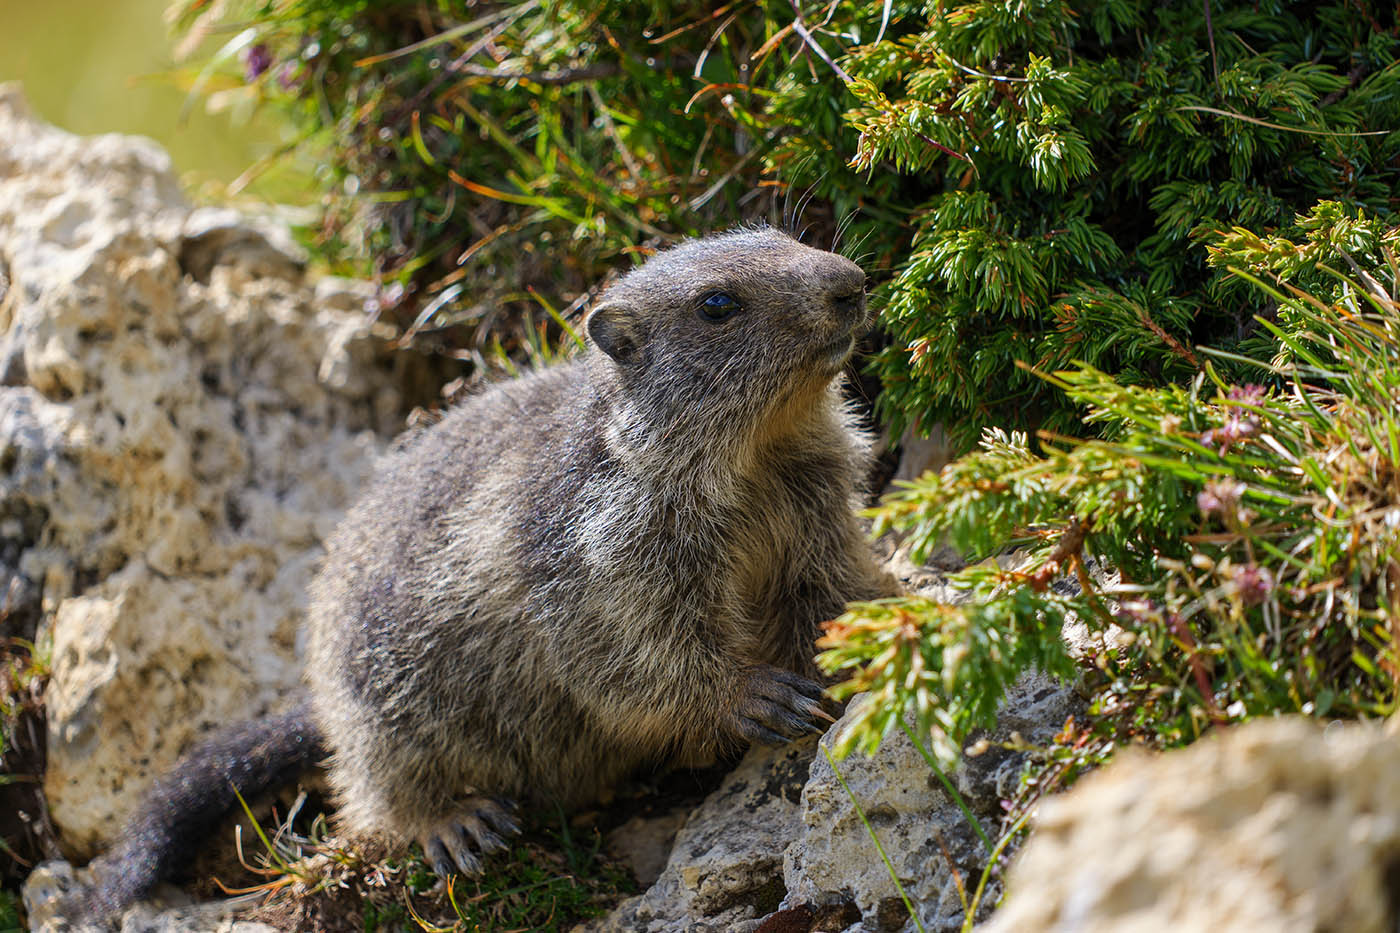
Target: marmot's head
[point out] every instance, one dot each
(733, 329)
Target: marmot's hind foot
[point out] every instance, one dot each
(475, 830)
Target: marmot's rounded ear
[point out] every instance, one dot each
(617, 330)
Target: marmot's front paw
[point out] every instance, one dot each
(777, 706)
(473, 832)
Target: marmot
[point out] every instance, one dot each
(616, 561)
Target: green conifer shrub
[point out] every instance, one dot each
(1105, 142)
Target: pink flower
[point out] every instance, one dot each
(1247, 394)
(1252, 583)
(1220, 496)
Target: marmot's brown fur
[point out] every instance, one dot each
(616, 561)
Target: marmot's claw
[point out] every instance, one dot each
(778, 706)
(500, 813)
(755, 732)
(465, 838)
(808, 688)
(436, 854)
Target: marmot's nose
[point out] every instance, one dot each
(843, 284)
(850, 305)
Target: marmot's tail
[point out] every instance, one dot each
(185, 805)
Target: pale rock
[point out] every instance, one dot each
(1281, 825)
(644, 844)
(922, 454)
(182, 422)
(782, 838)
(31, 446)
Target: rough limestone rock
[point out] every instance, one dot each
(833, 860)
(644, 844)
(183, 417)
(725, 871)
(1281, 825)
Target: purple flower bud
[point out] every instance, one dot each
(1220, 496)
(255, 61)
(1252, 583)
(1247, 394)
(1237, 427)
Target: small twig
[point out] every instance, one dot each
(1182, 630)
(982, 74)
(942, 148)
(702, 199)
(445, 36)
(455, 66)
(1071, 542)
(884, 21)
(610, 128)
(811, 41)
(1210, 36)
(548, 78)
(953, 869)
(709, 45)
(1278, 126)
(713, 15)
(1376, 289)
(1371, 19)
(1353, 79)
(1175, 345)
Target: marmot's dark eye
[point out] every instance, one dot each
(718, 306)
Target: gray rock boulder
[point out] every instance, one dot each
(178, 432)
(927, 838)
(725, 871)
(780, 846)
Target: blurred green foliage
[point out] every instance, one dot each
(492, 161)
